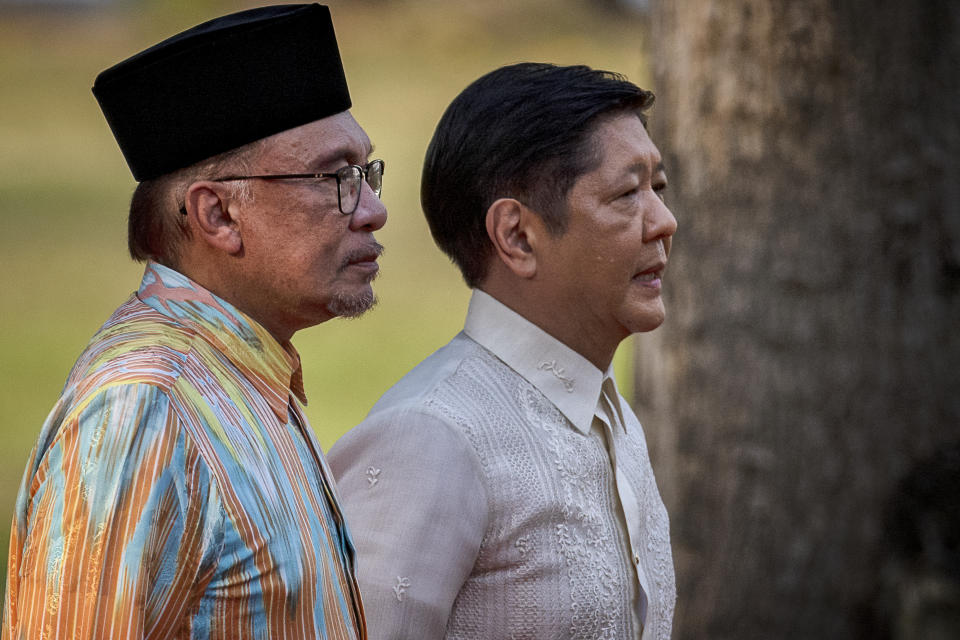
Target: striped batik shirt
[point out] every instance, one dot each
(177, 490)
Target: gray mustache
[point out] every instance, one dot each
(362, 253)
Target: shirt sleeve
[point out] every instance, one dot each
(116, 527)
(415, 502)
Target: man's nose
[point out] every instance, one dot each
(371, 214)
(660, 223)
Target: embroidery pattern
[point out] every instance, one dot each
(522, 545)
(586, 538)
(557, 371)
(559, 489)
(373, 476)
(401, 587)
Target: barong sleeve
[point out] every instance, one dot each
(415, 502)
(115, 535)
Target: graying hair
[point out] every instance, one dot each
(156, 226)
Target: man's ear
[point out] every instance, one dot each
(208, 208)
(513, 234)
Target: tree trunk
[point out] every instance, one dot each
(811, 355)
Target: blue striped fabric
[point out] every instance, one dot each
(177, 490)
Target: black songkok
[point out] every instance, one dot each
(222, 84)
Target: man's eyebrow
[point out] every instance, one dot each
(343, 151)
(641, 168)
(326, 157)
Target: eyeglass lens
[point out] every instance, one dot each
(350, 183)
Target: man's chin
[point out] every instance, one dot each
(647, 318)
(352, 305)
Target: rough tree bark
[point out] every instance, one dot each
(811, 356)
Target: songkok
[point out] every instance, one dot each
(222, 84)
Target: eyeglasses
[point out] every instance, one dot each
(349, 182)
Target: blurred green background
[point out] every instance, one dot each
(64, 187)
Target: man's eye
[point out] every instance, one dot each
(660, 190)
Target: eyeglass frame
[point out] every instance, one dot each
(364, 172)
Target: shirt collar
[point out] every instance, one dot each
(610, 391)
(565, 377)
(272, 368)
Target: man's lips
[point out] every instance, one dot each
(364, 257)
(652, 275)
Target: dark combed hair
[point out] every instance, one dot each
(521, 131)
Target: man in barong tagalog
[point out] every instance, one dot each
(502, 488)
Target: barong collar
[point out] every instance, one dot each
(567, 379)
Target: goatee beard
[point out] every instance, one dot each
(352, 306)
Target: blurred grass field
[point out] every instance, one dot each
(64, 187)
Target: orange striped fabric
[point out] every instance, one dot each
(177, 491)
